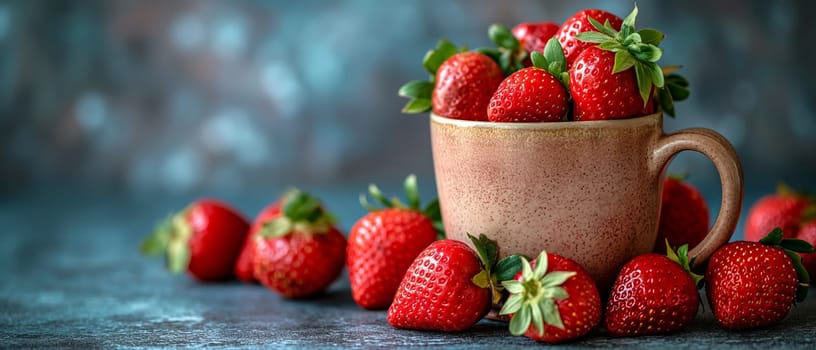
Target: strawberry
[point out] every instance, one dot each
(205, 239)
(448, 287)
(244, 270)
(785, 209)
(620, 77)
(579, 23)
(300, 253)
(555, 302)
(533, 37)
(383, 244)
(807, 233)
(653, 294)
(753, 284)
(683, 215)
(461, 86)
(533, 94)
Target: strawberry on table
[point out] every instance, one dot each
(533, 94)
(579, 23)
(653, 294)
(461, 87)
(384, 243)
(448, 286)
(299, 253)
(683, 215)
(204, 239)
(244, 270)
(619, 77)
(555, 302)
(786, 209)
(754, 284)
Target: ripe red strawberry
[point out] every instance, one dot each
(464, 84)
(244, 270)
(384, 243)
(533, 94)
(448, 286)
(205, 239)
(653, 294)
(807, 233)
(620, 77)
(580, 23)
(785, 209)
(533, 37)
(555, 302)
(753, 284)
(300, 253)
(683, 216)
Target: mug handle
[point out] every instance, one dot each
(722, 153)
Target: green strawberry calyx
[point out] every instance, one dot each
(792, 247)
(302, 213)
(638, 50)
(419, 92)
(553, 61)
(431, 210)
(494, 271)
(171, 238)
(533, 299)
(681, 257)
(508, 54)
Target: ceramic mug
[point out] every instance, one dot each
(587, 190)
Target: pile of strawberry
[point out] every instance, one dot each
(594, 66)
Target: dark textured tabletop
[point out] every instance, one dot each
(72, 277)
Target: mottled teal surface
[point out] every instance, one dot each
(72, 277)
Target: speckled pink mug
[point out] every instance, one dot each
(587, 190)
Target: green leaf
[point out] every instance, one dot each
(521, 321)
(651, 36)
(490, 52)
(432, 211)
(508, 268)
(801, 274)
(375, 193)
(656, 74)
(364, 202)
(796, 245)
(666, 102)
(538, 318)
(503, 37)
(538, 60)
(611, 45)
(156, 243)
(178, 256)
(417, 105)
(646, 53)
(773, 238)
(481, 279)
(602, 28)
(506, 62)
(644, 81)
(412, 191)
(434, 58)
(541, 265)
(593, 37)
(628, 26)
(556, 278)
(678, 86)
(633, 39)
(623, 61)
(278, 227)
(512, 305)
(551, 314)
(526, 270)
(417, 89)
(513, 287)
(557, 293)
(554, 54)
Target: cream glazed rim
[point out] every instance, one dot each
(650, 119)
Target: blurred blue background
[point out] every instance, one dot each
(240, 99)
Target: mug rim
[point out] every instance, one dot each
(650, 119)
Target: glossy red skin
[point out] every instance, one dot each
(750, 285)
(683, 216)
(218, 234)
(529, 95)
(534, 36)
(807, 233)
(299, 265)
(580, 312)
(775, 210)
(579, 23)
(651, 295)
(598, 94)
(243, 266)
(437, 293)
(464, 84)
(381, 247)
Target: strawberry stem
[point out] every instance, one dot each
(302, 213)
(431, 211)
